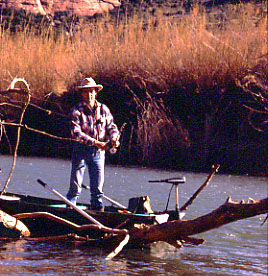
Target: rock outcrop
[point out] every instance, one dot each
(50, 7)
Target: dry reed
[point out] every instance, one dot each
(198, 51)
(196, 48)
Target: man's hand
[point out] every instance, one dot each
(101, 145)
(105, 145)
(115, 143)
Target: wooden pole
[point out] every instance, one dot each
(68, 202)
(80, 211)
(194, 196)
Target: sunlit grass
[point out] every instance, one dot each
(148, 66)
(199, 49)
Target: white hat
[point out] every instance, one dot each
(89, 82)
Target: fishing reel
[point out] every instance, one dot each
(112, 149)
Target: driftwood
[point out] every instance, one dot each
(202, 187)
(115, 239)
(177, 232)
(69, 223)
(12, 226)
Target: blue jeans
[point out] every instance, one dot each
(94, 160)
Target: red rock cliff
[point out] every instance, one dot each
(79, 7)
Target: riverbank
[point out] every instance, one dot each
(184, 85)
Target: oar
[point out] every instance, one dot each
(108, 199)
(70, 203)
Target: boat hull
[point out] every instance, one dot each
(43, 226)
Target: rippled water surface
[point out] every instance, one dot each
(239, 248)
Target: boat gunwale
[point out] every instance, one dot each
(49, 203)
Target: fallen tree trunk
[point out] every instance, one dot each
(177, 232)
(12, 227)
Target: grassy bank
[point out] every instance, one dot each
(171, 78)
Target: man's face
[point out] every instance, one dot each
(89, 95)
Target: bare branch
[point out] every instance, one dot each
(179, 229)
(12, 85)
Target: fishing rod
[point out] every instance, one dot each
(112, 149)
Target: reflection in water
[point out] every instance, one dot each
(12, 250)
(48, 258)
(238, 248)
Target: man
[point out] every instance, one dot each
(92, 124)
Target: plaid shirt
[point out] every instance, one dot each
(90, 124)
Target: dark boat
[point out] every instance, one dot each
(112, 217)
(51, 214)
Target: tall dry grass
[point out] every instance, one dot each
(193, 53)
(198, 48)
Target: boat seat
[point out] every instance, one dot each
(140, 205)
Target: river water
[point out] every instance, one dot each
(239, 248)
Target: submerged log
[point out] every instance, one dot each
(179, 230)
(12, 227)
